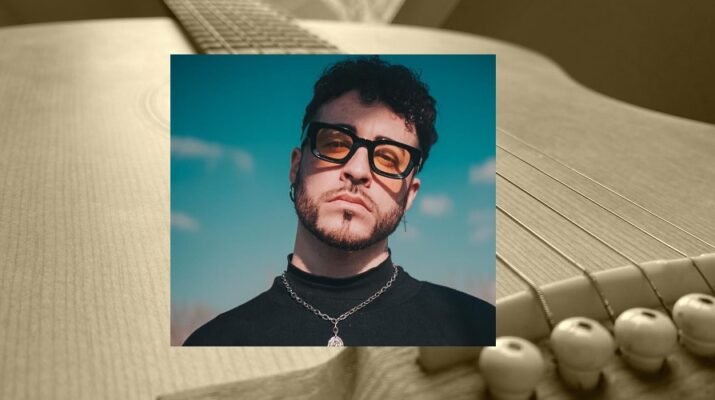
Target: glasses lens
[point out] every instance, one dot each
(333, 143)
(391, 159)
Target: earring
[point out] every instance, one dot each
(404, 222)
(291, 193)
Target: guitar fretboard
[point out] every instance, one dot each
(244, 27)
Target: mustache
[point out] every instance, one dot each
(353, 190)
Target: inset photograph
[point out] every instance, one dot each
(332, 200)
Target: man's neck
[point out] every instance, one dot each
(315, 257)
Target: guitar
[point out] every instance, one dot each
(84, 209)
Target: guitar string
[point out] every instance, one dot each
(230, 26)
(207, 26)
(573, 169)
(588, 232)
(277, 13)
(226, 21)
(548, 315)
(612, 212)
(538, 293)
(589, 276)
(702, 275)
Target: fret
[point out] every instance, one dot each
(244, 27)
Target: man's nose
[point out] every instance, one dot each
(357, 168)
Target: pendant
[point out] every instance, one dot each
(335, 341)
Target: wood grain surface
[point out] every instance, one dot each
(84, 204)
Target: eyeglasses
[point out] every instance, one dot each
(338, 143)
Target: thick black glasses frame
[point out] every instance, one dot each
(311, 131)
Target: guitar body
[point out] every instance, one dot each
(84, 203)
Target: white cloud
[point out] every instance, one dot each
(184, 222)
(481, 225)
(435, 205)
(192, 148)
(243, 160)
(188, 147)
(484, 172)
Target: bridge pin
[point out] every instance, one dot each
(512, 368)
(646, 337)
(582, 347)
(694, 314)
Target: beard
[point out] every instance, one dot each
(342, 238)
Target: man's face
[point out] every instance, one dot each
(348, 206)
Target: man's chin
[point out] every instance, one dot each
(348, 244)
(349, 240)
(343, 236)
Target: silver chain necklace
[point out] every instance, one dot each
(336, 341)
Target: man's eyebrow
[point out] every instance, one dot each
(354, 130)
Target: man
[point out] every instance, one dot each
(366, 133)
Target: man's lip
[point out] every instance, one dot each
(351, 199)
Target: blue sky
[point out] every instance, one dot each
(234, 121)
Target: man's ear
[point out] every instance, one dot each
(412, 192)
(295, 156)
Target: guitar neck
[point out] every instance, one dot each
(244, 27)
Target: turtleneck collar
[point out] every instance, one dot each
(358, 286)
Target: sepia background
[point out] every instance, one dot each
(619, 90)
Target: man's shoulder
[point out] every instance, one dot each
(453, 317)
(221, 330)
(454, 301)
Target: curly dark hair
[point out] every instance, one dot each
(396, 86)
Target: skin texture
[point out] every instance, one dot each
(338, 238)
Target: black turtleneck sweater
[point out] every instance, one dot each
(409, 313)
